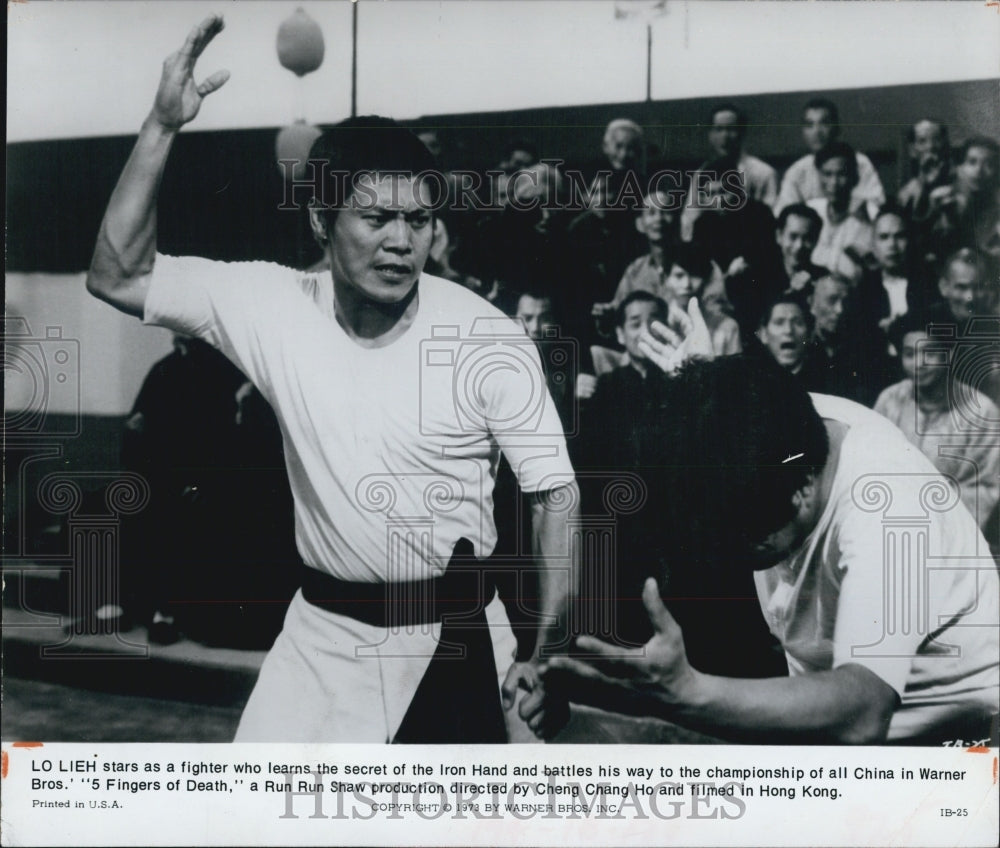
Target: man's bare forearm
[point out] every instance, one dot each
(126, 243)
(552, 512)
(848, 705)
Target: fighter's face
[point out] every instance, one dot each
(890, 243)
(380, 239)
(818, 129)
(785, 335)
(797, 241)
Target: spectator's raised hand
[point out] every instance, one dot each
(179, 97)
(685, 336)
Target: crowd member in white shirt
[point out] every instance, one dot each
(800, 184)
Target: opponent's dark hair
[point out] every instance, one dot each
(734, 439)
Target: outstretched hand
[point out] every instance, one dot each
(685, 336)
(644, 681)
(178, 98)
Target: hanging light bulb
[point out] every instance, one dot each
(300, 43)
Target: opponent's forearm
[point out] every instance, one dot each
(848, 704)
(126, 243)
(551, 514)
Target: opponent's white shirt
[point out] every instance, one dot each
(895, 577)
(391, 454)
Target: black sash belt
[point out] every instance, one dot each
(460, 592)
(457, 701)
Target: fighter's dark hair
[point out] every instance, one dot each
(367, 144)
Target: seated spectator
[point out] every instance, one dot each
(845, 239)
(691, 273)
(623, 148)
(785, 330)
(657, 221)
(843, 359)
(608, 436)
(738, 236)
(797, 234)
(727, 130)
(821, 128)
(968, 285)
(895, 287)
(930, 162)
(966, 213)
(944, 420)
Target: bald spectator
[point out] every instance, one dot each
(727, 130)
(821, 128)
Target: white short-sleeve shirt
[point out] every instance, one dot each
(896, 577)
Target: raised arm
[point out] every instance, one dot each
(126, 243)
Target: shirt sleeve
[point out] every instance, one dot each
(869, 188)
(233, 306)
(522, 417)
(789, 192)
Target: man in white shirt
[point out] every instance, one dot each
(727, 129)
(800, 184)
(391, 416)
(814, 493)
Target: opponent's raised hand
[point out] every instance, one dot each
(179, 97)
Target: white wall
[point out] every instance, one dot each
(107, 354)
(90, 68)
